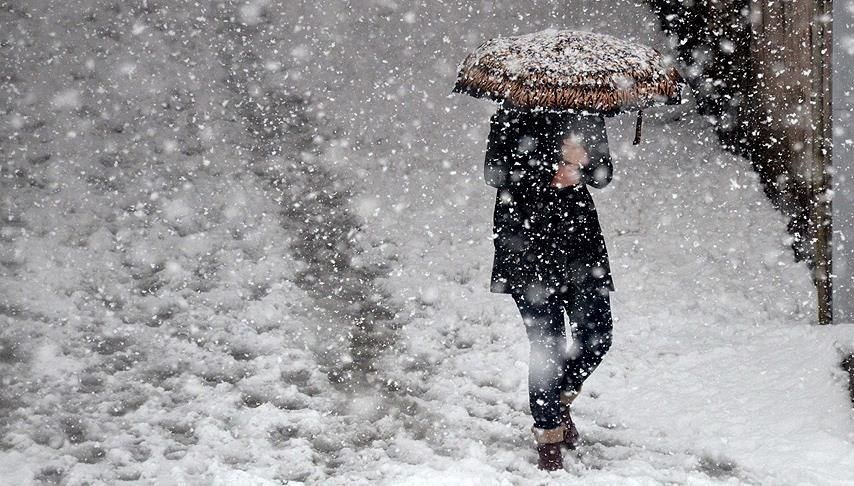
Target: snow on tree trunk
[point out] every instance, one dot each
(753, 65)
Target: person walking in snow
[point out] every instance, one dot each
(550, 255)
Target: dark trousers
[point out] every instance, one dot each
(553, 366)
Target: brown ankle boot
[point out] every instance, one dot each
(548, 448)
(551, 458)
(570, 438)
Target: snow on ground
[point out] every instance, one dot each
(716, 374)
(188, 298)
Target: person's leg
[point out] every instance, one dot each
(544, 325)
(591, 308)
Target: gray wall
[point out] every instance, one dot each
(843, 201)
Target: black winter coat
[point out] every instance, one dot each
(546, 239)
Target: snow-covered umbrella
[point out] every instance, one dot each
(570, 70)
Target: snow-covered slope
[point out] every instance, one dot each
(183, 277)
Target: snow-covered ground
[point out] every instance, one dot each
(206, 280)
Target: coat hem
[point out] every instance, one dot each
(501, 288)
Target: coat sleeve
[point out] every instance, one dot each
(499, 152)
(599, 172)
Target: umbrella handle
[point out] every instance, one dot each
(638, 128)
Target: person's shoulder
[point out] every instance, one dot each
(507, 119)
(586, 118)
(588, 125)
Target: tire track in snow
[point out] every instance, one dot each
(315, 206)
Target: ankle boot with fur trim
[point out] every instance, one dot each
(570, 438)
(548, 447)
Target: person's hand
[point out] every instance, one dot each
(574, 158)
(566, 175)
(573, 152)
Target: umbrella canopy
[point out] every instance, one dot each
(569, 70)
